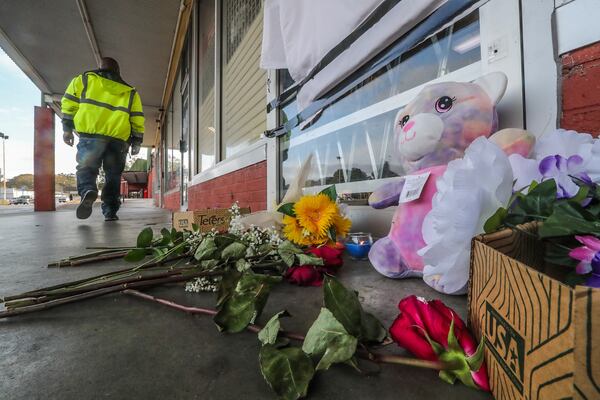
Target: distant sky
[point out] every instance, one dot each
(18, 96)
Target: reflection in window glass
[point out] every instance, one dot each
(244, 93)
(206, 83)
(362, 151)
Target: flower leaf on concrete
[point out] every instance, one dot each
(345, 307)
(245, 303)
(234, 251)
(206, 250)
(288, 371)
(268, 334)
(144, 239)
(135, 255)
(328, 339)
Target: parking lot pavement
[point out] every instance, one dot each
(19, 208)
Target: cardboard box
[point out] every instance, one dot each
(212, 218)
(542, 336)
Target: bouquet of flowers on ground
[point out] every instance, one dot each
(558, 188)
(315, 222)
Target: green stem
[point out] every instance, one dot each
(375, 357)
(92, 280)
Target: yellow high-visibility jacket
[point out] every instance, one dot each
(101, 106)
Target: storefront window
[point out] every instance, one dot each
(243, 100)
(351, 141)
(206, 85)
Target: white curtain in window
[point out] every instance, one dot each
(298, 34)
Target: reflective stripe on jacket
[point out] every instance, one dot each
(101, 106)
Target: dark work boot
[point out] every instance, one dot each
(111, 217)
(84, 210)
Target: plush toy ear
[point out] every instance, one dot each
(494, 84)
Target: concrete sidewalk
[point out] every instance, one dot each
(117, 347)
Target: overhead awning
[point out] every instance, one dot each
(53, 41)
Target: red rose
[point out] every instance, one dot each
(305, 275)
(312, 275)
(332, 256)
(421, 321)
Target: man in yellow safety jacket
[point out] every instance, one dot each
(107, 114)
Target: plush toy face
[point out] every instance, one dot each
(440, 123)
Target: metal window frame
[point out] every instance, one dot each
(218, 80)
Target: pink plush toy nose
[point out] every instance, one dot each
(408, 126)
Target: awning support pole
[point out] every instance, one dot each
(43, 159)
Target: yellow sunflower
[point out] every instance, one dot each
(316, 213)
(294, 232)
(342, 225)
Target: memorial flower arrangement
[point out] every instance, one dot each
(315, 222)
(558, 188)
(242, 265)
(486, 190)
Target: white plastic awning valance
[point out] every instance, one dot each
(297, 35)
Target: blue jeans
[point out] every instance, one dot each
(109, 154)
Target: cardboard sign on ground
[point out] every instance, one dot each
(206, 220)
(542, 336)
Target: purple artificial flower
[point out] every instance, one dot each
(589, 259)
(563, 170)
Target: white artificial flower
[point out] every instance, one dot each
(559, 142)
(468, 193)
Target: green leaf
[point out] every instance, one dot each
(447, 377)
(165, 237)
(308, 259)
(268, 334)
(343, 304)
(435, 346)
(135, 255)
(159, 253)
(227, 285)
(495, 221)
(288, 251)
(569, 219)
(245, 303)
(209, 264)
(206, 250)
(289, 247)
(224, 240)
(372, 330)
(540, 200)
(346, 308)
(574, 279)
(287, 209)
(558, 254)
(328, 339)
(195, 228)
(452, 340)
(288, 371)
(234, 251)
(581, 195)
(330, 192)
(243, 265)
(144, 239)
(476, 359)
(287, 258)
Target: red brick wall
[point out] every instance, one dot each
(247, 186)
(581, 90)
(172, 201)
